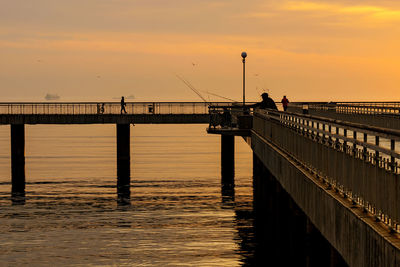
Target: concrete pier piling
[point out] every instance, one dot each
(227, 160)
(123, 161)
(17, 160)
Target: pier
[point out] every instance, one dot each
(326, 175)
(325, 181)
(18, 114)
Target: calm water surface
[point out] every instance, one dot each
(178, 216)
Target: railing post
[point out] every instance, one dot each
(354, 143)
(364, 147)
(392, 160)
(297, 120)
(337, 143)
(312, 126)
(377, 152)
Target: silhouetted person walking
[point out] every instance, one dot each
(285, 103)
(123, 104)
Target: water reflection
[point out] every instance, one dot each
(227, 195)
(123, 195)
(244, 224)
(18, 198)
(247, 241)
(175, 213)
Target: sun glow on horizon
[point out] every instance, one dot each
(313, 49)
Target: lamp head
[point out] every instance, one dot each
(244, 55)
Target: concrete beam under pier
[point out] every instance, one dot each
(105, 118)
(17, 159)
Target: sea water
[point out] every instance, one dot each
(179, 215)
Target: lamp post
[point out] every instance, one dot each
(244, 55)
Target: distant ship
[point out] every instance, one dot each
(52, 97)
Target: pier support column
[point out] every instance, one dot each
(123, 162)
(228, 160)
(17, 160)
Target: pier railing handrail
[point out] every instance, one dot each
(91, 108)
(317, 125)
(383, 132)
(226, 115)
(360, 103)
(370, 108)
(116, 102)
(358, 168)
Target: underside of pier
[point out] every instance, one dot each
(104, 119)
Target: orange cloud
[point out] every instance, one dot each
(373, 12)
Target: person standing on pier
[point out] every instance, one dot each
(266, 102)
(285, 103)
(123, 104)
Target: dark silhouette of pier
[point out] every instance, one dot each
(18, 114)
(326, 175)
(326, 180)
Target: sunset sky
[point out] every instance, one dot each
(103, 49)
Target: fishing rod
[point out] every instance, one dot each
(188, 84)
(258, 91)
(219, 96)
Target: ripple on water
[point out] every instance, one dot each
(177, 215)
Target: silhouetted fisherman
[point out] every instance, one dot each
(226, 118)
(123, 104)
(266, 102)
